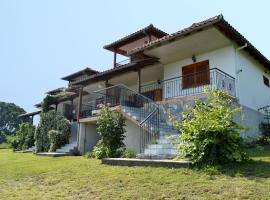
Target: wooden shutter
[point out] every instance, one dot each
(196, 74)
(188, 76)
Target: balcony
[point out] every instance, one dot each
(192, 84)
(188, 85)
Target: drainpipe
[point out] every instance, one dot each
(237, 71)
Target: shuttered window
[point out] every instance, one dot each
(196, 74)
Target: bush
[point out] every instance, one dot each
(51, 120)
(129, 153)
(264, 138)
(110, 127)
(24, 137)
(209, 134)
(90, 154)
(13, 141)
(57, 139)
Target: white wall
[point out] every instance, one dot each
(251, 90)
(223, 59)
(132, 139)
(88, 137)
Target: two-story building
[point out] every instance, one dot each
(162, 73)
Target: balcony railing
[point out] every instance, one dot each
(192, 84)
(122, 62)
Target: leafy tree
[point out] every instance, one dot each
(24, 137)
(110, 127)
(49, 121)
(9, 121)
(209, 134)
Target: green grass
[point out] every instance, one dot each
(26, 176)
(4, 146)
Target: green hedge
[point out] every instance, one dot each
(49, 121)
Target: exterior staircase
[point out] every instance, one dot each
(162, 146)
(68, 148)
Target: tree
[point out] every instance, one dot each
(209, 134)
(9, 121)
(110, 127)
(24, 137)
(52, 131)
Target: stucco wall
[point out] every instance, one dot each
(221, 58)
(250, 119)
(88, 137)
(251, 90)
(132, 139)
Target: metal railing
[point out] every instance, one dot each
(140, 108)
(192, 84)
(122, 62)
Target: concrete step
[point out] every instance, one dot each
(161, 146)
(155, 157)
(68, 148)
(161, 151)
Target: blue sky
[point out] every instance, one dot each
(44, 40)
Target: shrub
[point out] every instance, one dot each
(264, 138)
(57, 139)
(24, 137)
(51, 120)
(90, 154)
(209, 134)
(129, 153)
(110, 127)
(13, 141)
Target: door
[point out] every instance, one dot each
(155, 95)
(195, 75)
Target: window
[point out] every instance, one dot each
(196, 74)
(266, 81)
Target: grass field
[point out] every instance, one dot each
(26, 176)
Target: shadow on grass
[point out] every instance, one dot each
(252, 169)
(258, 167)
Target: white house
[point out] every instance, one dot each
(164, 72)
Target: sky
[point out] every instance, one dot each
(44, 40)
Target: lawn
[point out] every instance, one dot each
(26, 176)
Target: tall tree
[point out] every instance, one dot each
(9, 121)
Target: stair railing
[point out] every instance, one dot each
(140, 108)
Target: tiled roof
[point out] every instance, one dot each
(123, 68)
(87, 71)
(178, 33)
(217, 21)
(149, 29)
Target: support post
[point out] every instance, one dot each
(114, 59)
(56, 105)
(80, 103)
(106, 92)
(72, 107)
(139, 81)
